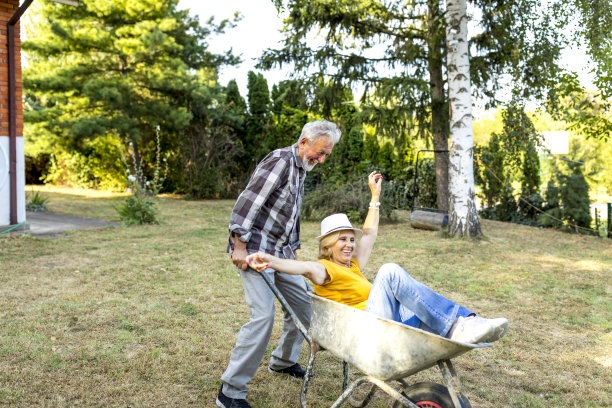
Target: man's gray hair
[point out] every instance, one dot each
(313, 130)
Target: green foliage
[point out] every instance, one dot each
(574, 195)
(111, 68)
(259, 140)
(530, 200)
(397, 52)
(489, 172)
(138, 209)
(426, 194)
(552, 216)
(211, 153)
(350, 197)
(36, 201)
(595, 29)
(567, 203)
(586, 112)
(99, 166)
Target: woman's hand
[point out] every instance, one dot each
(258, 261)
(375, 183)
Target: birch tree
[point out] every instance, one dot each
(463, 216)
(394, 49)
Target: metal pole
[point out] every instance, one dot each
(12, 122)
(609, 220)
(416, 170)
(298, 323)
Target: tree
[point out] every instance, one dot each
(259, 139)
(490, 172)
(397, 52)
(574, 194)
(111, 68)
(531, 201)
(463, 216)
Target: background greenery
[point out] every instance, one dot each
(112, 86)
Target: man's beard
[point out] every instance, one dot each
(308, 167)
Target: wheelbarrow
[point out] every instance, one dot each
(384, 351)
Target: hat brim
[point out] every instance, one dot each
(357, 232)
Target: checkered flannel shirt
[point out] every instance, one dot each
(267, 213)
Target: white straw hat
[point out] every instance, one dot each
(336, 222)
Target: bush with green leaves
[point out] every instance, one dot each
(425, 193)
(36, 201)
(141, 208)
(138, 209)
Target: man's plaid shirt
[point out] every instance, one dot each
(267, 213)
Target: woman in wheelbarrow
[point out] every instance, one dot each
(394, 295)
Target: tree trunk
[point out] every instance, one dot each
(439, 120)
(463, 217)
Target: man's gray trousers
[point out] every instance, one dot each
(254, 335)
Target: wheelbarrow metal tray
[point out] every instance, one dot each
(378, 347)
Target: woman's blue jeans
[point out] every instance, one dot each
(396, 295)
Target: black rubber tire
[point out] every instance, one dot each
(429, 395)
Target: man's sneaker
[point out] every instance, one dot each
(226, 402)
(294, 371)
(474, 329)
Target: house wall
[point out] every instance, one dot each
(7, 9)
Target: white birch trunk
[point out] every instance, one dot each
(463, 217)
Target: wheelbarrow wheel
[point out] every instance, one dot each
(429, 395)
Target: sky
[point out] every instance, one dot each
(259, 29)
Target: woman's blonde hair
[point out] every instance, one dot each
(326, 243)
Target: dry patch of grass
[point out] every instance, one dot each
(147, 316)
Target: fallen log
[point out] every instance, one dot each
(427, 220)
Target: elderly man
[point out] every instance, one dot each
(266, 218)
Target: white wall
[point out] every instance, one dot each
(5, 180)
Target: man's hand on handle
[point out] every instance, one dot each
(239, 255)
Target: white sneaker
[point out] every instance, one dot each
(474, 329)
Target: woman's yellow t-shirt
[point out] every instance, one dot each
(347, 285)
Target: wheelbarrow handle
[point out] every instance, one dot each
(284, 304)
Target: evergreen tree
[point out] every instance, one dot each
(530, 201)
(290, 112)
(490, 174)
(111, 68)
(574, 194)
(259, 140)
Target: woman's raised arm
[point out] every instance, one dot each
(370, 226)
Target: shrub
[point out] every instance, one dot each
(574, 193)
(36, 202)
(141, 208)
(426, 193)
(138, 209)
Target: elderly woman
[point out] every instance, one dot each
(394, 294)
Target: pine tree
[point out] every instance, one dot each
(119, 69)
(259, 140)
(574, 194)
(530, 201)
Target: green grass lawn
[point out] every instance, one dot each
(147, 316)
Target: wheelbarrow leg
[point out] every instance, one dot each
(314, 348)
(347, 393)
(392, 392)
(451, 379)
(366, 400)
(345, 371)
